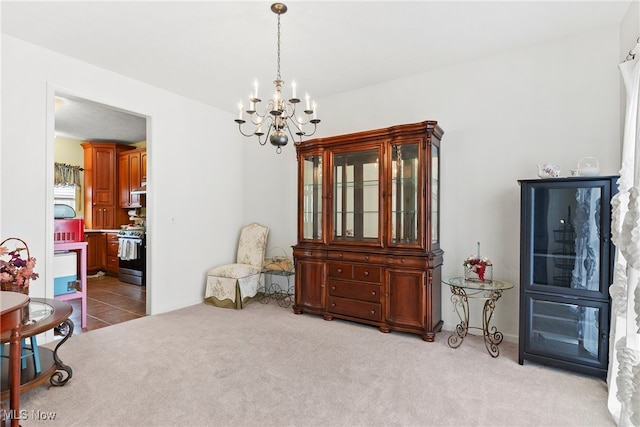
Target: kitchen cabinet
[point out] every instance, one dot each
(112, 254)
(96, 251)
(566, 266)
(143, 166)
(100, 185)
(368, 245)
(130, 177)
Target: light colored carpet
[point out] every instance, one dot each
(265, 366)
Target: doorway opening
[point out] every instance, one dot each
(100, 164)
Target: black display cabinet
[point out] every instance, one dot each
(566, 267)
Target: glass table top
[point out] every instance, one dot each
(494, 285)
(38, 311)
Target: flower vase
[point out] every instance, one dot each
(478, 273)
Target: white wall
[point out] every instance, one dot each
(270, 193)
(557, 101)
(194, 166)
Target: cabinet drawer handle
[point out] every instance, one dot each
(402, 260)
(339, 255)
(366, 273)
(333, 288)
(339, 270)
(373, 293)
(373, 312)
(333, 304)
(367, 257)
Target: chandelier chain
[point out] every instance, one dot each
(278, 69)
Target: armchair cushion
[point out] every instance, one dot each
(234, 271)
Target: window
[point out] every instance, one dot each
(65, 195)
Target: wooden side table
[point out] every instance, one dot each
(45, 314)
(11, 306)
(490, 291)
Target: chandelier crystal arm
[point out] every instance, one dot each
(279, 113)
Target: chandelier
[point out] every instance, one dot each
(278, 117)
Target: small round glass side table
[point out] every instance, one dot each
(491, 292)
(44, 314)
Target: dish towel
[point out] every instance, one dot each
(127, 249)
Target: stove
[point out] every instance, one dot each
(132, 256)
(132, 233)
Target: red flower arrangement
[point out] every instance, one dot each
(477, 265)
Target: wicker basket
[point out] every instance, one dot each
(20, 246)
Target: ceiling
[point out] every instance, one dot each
(85, 120)
(212, 51)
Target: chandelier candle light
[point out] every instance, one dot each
(279, 115)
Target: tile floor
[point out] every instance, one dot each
(109, 302)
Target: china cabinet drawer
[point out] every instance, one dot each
(356, 291)
(308, 253)
(340, 270)
(360, 309)
(366, 273)
(357, 257)
(412, 262)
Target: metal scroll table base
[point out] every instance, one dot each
(460, 300)
(63, 372)
(273, 290)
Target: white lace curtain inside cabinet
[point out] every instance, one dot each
(624, 346)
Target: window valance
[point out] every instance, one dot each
(67, 175)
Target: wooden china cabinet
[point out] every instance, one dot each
(368, 228)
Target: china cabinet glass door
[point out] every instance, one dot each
(356, 196)
(566, 239)
(435, 195)
(405, 199)
(568, 329)
(312, 197)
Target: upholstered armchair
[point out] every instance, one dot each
(234, 285)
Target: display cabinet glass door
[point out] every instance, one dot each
(405, 189)
(566, 247)
(312, 197)
(356, 196)
(571, 330)
(435, 194)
